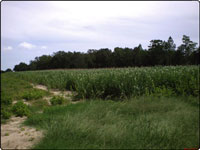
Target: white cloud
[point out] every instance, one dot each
(8, 48)
(53, 22)
(43, 47)
(26, 45)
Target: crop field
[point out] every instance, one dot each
(120, 83)
(120, 108)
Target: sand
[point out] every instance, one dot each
(14, 135)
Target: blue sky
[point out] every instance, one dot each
(31, 29)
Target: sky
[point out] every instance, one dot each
(34, 28)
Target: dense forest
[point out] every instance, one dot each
(158, 53)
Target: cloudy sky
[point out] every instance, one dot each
(30, 29)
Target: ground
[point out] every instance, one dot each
(16, 135)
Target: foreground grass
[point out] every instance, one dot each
(142, 123)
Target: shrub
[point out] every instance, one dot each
(5, 113)
(20, 109)
(57, 100)
(33, 94)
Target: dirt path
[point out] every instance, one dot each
(16, 136)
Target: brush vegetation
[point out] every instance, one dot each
(20, 109)
(16, 89)
(58, 100)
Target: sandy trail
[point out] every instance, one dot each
(16, 136)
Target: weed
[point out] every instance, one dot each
(31, 139)
(34, 94)
(57, 100)
(20, 109)
(5, 99)
(6, 134)
(5, 113)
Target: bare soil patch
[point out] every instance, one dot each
(41, 87)
(14, 135)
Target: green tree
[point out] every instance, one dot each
(138, 56)
(188, 45)
(102, 58)
(186, 49)
(8, 70)
(90, 58)
(43, 62)
(77, 60)
(123, 57)
(194, 57)
(61, 59)
(179, 58)
(169, 48)
(21, 67)
(33, 65)
(156, 53)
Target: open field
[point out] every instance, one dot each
(144, 108)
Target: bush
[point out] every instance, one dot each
(33, 94)
(5, 113)
(57, 100)
(20, 109)
(6, 103)
(8, 70)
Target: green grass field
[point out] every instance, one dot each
(131, 108)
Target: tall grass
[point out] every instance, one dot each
(140, 123)
(126, 82)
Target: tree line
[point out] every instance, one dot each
(158, 53)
